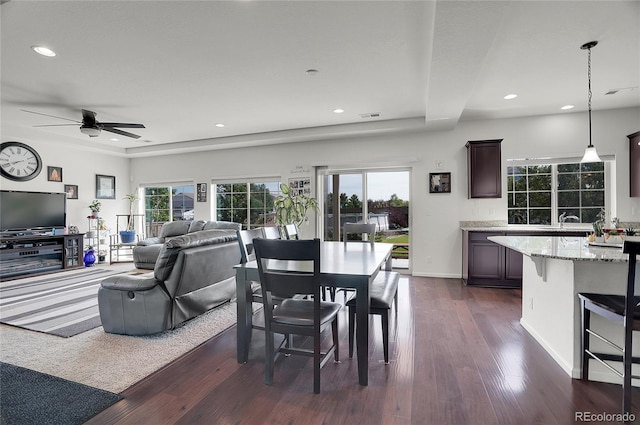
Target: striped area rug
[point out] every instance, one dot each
(63, 304)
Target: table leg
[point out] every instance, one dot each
(362, 331)
(245, 315)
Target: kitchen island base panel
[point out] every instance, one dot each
(551, 310)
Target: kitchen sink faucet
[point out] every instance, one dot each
(564, 217)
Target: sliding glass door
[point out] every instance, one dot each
(368, 196)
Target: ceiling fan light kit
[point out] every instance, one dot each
(590, 154)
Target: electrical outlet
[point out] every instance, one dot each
(531, 303)
(428, 259)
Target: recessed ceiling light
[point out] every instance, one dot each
(510, 96)
(338, 111)
(311, 72)
(219, 125)
(115, 140)
(44, 51)
(565, 107)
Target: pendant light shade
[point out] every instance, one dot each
(590, 154)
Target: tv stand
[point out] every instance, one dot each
(30, 253)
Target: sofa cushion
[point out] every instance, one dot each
(196, 226)
(174, 228)
(150, 241)
(222, 225)
(171, 249)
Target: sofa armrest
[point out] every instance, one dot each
(129, 283)
(150, 241)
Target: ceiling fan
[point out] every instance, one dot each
(92, 127)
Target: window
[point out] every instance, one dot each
(538, 194)
(249, 203)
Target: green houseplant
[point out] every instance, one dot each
(292, 208)
(129, 235)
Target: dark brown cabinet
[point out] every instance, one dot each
(39, 254)
(485, 263)
(484, 168)
(634, 164)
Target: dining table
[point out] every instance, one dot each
(344, 265)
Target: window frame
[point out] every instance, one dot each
(609, 185)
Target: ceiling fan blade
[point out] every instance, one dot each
(123, 133)
(121, 125)
(88, 118)
(53, 125)
(47, 115)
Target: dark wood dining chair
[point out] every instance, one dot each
(621, 309)
(293, 316)
(272, 232)
(247, 253)
(366, 233)
(291, 231)
(383, 293)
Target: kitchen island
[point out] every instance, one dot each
(555, 270)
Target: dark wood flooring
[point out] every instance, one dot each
(458, 356)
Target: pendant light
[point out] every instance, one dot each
(590, 154)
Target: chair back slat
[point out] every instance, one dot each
(291, 231)
(245, 240)
(368, 229)
(272, 232)
(289, 267)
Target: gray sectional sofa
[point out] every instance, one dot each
(193, 273)
(146, 251)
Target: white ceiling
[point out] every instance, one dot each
(180, 67)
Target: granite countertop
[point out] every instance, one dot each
(502, 226)
(528, 229)
(561, 247)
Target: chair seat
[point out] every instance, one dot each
(382, 291)
(300, 312)
(613, 304)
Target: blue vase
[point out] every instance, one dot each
(89, 258)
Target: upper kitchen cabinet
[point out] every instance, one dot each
(484, 168)
(634, 164)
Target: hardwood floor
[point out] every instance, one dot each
(458, 356)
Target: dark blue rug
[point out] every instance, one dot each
(30, 397)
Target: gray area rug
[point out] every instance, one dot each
(28, 397)
(63, 304)
(107, 361)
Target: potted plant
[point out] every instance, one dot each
(95, 208)
(292, 208)
(129, 235)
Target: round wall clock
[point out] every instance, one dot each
(19, 162)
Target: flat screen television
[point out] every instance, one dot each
(32, 211)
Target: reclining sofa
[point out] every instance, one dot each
(193, 274)
(146, 251)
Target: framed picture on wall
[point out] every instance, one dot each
(54, 174)
(300, 186)
(71, 190)
(439, 182)
(105, 187)
(202, 192)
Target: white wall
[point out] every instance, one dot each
(435, 234)
(436, 238)
(79, 167)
